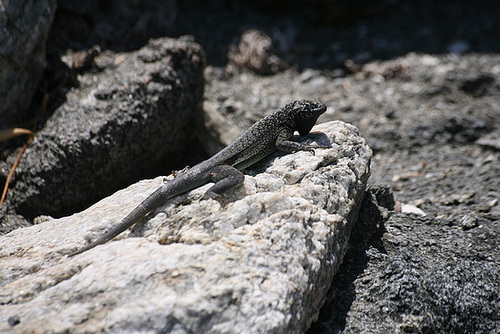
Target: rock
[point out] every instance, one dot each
(490, 141)
(469, 221)
(421, 275)
(409, 208)
(261, 264)
(440, 145)
(129, 118)
(24, 27)
(255, 51)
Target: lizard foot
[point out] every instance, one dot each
(211, 195)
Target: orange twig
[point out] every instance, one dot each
(6, 135)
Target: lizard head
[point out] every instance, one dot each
(305, 113)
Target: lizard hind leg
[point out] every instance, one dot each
(225, 178)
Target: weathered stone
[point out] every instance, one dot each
(415, 275)
(127, 119)
(24, 26)
(448, 141)
(262, 264)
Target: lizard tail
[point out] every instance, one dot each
(150, 203)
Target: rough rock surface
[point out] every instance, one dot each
(133, 108)
(434, 146)
(262, 264)
(420, 81)
(24, 27)
(416, 275)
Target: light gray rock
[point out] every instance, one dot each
(24, 27)
(262, 264)
(129, 118)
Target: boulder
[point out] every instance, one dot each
(261, 264)
(129, 117)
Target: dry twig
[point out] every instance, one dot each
(9, 134)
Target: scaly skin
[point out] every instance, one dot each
(268, 135)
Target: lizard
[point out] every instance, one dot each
(270, 134)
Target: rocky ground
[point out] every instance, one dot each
(436, 146)
(420, 81)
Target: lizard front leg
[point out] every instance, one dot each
(284, 144)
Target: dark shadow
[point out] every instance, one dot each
(366, 233)
(318, 34)
(322, 34)
(333, 36)
(318, 138)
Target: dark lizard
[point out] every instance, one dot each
(268, 135)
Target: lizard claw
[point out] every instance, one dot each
(176, 173)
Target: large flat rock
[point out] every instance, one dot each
(261, 264)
